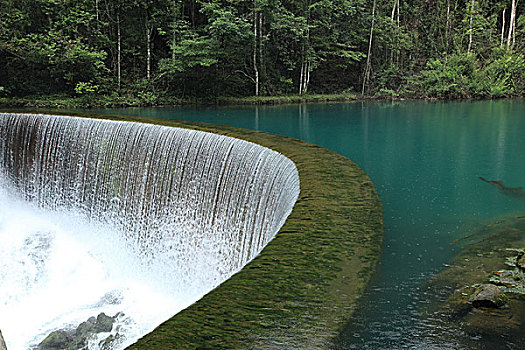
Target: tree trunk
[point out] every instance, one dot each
(447, 28)
(470, 27)
(96, 9)
(368, 66)
(398, 27)
(307, 78)
(308, 59)
(118, 49)
(394, 10)
(148, 51)
(502, 27)
(173, 42)
(305, 67)
(398, 11)
(301, 78)
(392, 49)
(512, 24)
(395, 19)
(255, 37)
(261, 63)
(174, 32)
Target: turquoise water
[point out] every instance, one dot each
(425, 159)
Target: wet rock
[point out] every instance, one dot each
(488, 295)
(55, 341)
(78, 338)
(108, 343)
(85, 328)
(104, 323)
(507, 278)
(2, 342)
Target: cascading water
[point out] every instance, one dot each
(140, 219)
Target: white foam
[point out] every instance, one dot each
(57, 270)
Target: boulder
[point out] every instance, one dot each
(488, 295)
(78, 338)
(104, 323)
(56, 340)
(2, 342)
(86, 328)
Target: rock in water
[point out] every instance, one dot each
(55, 341)
(2, 342)
(79, 337)
(488, 295)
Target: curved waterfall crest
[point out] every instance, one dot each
(149, 180)
(193, 206)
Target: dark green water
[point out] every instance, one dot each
(425, 159)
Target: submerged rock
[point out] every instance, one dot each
(489, 295)
(2, 342)
(484, 288)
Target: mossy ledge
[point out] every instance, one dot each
(305, 284)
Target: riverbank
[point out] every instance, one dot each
(145, 100)
(55, 102)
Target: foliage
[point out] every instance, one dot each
(448, 77)
(505, 75)
(171, 50)
(85, 88)
(464, 76)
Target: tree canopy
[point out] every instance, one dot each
(210, 48)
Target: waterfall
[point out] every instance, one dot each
(190, 207)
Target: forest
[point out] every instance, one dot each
(137, 52)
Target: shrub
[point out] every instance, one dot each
(505, 75)
(449, 77)
(86, 88)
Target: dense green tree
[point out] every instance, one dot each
(209, 48)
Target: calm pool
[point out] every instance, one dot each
(425, 159)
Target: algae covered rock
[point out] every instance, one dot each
(488, 295)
